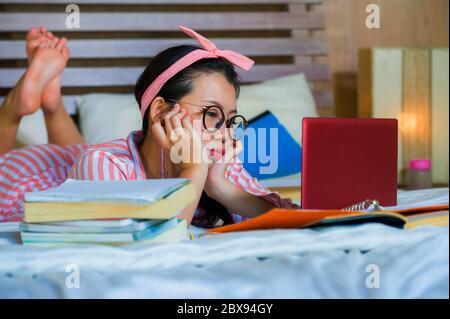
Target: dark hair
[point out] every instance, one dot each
(181, 83)
(176, 88)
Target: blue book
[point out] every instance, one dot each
(286, 161)
(104, 238)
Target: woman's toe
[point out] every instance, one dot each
(54, 42)
(61, 44)
(66, 53)
(32, 34)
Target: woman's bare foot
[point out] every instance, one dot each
(51, 96)
(47, 63)
(36, 37)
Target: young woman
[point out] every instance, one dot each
(182, 86)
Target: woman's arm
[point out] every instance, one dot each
(244, 195)
(197, 174)
(236, 199)
(179, 124)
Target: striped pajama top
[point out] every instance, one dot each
(39, 167)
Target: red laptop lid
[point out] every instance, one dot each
(346, 161)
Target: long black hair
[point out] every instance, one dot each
(176, 88)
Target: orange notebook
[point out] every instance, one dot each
(290, 218)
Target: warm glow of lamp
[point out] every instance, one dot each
(408, 123)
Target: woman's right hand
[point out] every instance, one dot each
(178, 136)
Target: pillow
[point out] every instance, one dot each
(32, 129)
(288, 98)
(118, 115)
(105, 117)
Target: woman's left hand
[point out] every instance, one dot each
(216, 182)
(233, 197)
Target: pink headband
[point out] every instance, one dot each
(209, 51)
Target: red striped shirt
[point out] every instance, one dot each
(29, 169)
(42, 166)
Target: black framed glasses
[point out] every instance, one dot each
(213, 119)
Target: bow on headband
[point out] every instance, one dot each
(209, 50)
(236, 58)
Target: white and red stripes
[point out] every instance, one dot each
(42, 166)
(29, 169)
(115, 160)
(237, 175)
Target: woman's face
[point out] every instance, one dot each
(210, 90)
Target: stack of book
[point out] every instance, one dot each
(107, 212)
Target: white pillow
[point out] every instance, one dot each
(288, 98)
(104, 117)
(118, 115)
(32, 129)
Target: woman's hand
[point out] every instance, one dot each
(232, 196)
(216, 182)
(177, 135)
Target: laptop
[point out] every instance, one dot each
(346, 161)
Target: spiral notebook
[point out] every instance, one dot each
(136, 192)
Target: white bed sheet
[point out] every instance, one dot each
(307, 263)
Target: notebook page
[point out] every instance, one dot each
(138, 191)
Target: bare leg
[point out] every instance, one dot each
(23, 99)
(9, 121)
(46, 64)
(61, 129)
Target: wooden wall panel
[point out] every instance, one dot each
(412, 86)
(132, 21)
(387, 93)
(415, 121)
(365, 83)
(440, 115)
(404, 23)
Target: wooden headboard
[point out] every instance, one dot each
(117, 39)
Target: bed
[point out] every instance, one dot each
(285, 38)
(332, 262)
